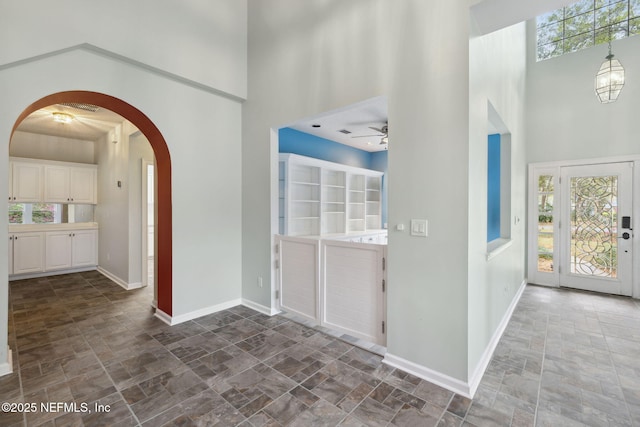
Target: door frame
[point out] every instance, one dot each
(535, 169)
(145, 225)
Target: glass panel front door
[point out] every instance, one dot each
(594, 253)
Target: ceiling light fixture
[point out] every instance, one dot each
(63, 118)
(610, 79)
(610, 76)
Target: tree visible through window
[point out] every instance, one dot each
(34, 213)
(586, 23)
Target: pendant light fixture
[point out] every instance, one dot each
(610, 77)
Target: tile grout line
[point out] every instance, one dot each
(544, 356)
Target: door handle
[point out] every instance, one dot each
(625, 236)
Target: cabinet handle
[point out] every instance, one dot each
(69, 234)
(14, 197)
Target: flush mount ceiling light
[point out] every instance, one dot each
(61, 117)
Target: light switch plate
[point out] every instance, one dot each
(419, 227)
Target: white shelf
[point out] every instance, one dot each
(343, 198)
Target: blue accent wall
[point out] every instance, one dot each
(493, 188)
(304, 144)
(379, 162)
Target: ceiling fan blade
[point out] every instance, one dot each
(365, 136)
(377, 129)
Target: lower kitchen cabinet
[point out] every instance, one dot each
(41, 252)
(26, 251)
(70, 249)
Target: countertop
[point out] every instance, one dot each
(23, 228)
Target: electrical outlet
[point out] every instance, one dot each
(259, 281)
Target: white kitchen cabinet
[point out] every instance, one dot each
(69, 184)
(25, 182)
(318, 198)
(27, 252)
(58, 250)
(36, 253)
(10, 254)
(70, 249)
(84, 249)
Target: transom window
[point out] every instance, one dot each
(586, 23)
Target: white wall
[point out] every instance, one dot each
(46, 147)
(565, 119)
(317, 55)
(112, 211)
(200, 40)
(202, 129)
(497, 75)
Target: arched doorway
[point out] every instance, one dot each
(163, 176)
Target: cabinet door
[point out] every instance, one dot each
(82, 185)
(56, 187)
(26, 182)
(10, 254)
(84, 248)
(58, 250)
(28, 253)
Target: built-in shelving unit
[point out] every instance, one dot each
(319, 197)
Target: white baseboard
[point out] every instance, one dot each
(259, 307)
(119, 281)
(481, 367)
(453, 384)
(175, 320)
(7, 368)
(163, 316)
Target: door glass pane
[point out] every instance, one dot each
(545, 223)
(594, 242)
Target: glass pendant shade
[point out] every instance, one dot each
(609, 80)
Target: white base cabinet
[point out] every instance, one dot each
(84, 248)
(27, 252)
(70, 249)
(34, 253)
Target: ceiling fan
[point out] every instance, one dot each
(384, 131)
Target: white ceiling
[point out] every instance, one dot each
(86, 125)
(357, 118)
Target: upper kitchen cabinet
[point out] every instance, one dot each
(35, 181)
(70, 184)
(25, 182)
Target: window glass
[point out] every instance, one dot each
(585, 23)
(35, 213)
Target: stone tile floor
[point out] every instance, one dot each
(567, 358)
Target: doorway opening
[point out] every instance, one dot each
(162, 200)
(148, 223)
(329, 221)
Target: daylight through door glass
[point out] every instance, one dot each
(594, 242)
(545, 223)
